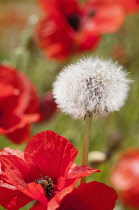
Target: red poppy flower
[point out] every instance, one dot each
(18, 104)
(93, 195)
(47, 107)
(45, 172)
(108, 16)
(70, 28)
(125, 177)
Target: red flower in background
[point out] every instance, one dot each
(90, 196)
(18, 104)
(44, 172)
(125, 177)
(108, 16)
(69, 27)
(47, 107)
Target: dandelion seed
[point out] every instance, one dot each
(91, 86)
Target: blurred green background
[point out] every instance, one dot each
(17, 50)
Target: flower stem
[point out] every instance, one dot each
(85, 148)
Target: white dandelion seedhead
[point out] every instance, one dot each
(93, 86)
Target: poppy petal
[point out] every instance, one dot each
(21, 131)
(19, 102)
(9, 151)
(11, 198)
(93, 195)
(79, 171)
(56, 150)
(14, 171)
(36, 192)
(107, 19)
(19, 135)
(55, 201)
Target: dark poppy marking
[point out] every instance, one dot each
(74, 22)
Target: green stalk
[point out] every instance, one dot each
(85, 148)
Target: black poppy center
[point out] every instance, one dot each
(74, 21)
(47, 183)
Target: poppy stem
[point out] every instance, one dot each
(85, 148)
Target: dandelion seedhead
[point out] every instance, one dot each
(91, 86)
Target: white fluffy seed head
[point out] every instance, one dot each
(93, 86)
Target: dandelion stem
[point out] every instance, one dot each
(85, 148)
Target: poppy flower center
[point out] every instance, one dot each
(47, 183)
(74, 21)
